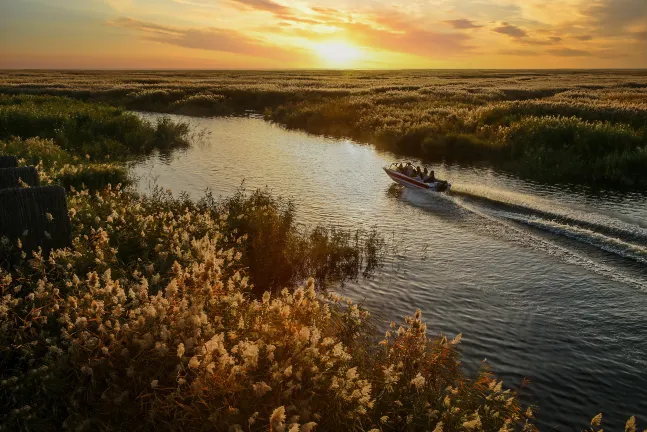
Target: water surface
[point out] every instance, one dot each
(545, 282)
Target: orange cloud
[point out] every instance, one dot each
(510, 30)
(212, 39)
(463, 24)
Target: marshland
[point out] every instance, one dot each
(239, 260)
(561, 126)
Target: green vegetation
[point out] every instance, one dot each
(574, 126)
(77, 144)
(83, 128)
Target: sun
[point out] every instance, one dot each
(338, 53)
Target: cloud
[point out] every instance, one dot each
(518, 52)
(614, 17)
(463, 24)
(263, 5)
(410, 40)
(569, 52)
(387, 30)
(510, 30)
(550, 41)
(276, 9)
(641, 36)
(584, 37)
(211, 39)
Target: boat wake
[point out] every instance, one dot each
(597, 241)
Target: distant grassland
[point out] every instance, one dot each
(568, 126)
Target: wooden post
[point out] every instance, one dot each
(37, 216)
(18, 177)
(8, 162)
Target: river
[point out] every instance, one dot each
(546, 282)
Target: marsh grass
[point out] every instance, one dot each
(150, 322)
(80, 128)
(279, 253)
(455, 116)
(78, 144)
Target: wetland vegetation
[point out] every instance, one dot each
(567, 126)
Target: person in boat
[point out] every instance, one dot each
(431, 177)
(409, 170)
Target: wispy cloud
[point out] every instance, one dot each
(532, 41)
(119, 5)
(463, 24)
(510, 30)
(615, 17)
(263, 5)
(569, 52)
(410, 40)
(518, 52)
(212, 39)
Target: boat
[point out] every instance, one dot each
(416, 183)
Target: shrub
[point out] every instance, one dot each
(278, 254)
(81, 128)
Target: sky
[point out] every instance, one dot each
(315, 34)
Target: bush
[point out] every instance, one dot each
(33, 151)
(82, 128)
(278, 254)
(571, 148)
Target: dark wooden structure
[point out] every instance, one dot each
(12, 177)
(37, 216)
(8, 162)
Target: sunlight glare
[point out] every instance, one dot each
(338, 54)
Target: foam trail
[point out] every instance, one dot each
(601, 241)
(615, 226)
(519, 235)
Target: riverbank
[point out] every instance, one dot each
(587, 127)
(150, 321)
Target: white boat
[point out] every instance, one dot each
(416, 183)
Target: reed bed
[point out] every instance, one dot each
(464, 116)
(93, 337)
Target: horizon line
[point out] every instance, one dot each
(309, 69)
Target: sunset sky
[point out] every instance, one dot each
(280, 34)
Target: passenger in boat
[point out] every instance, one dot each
(409, 170)
(431, 178)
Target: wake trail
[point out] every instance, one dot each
(537, 209)
(517, 234)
